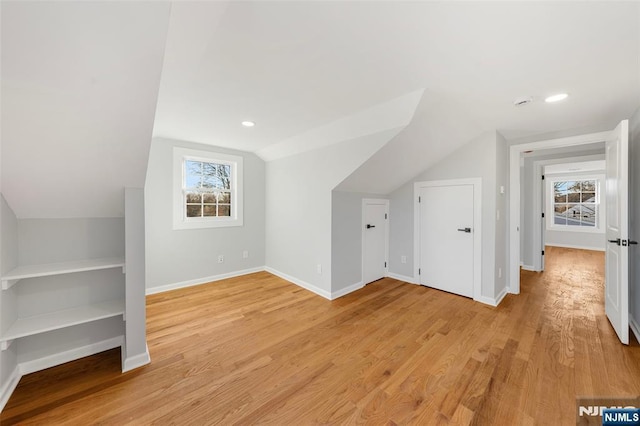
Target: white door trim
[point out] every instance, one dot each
(513, 285)
(537, 201)
(477, 228)
(375, 201)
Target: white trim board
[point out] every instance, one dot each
(307, 286)
(513, 231)
(493, 301)
(635, 327)
(477, 228)
(400, 277)
(528, 268)
(9, 387)
(203, 280)
(346, 290)
(48, 361)
(136, 361)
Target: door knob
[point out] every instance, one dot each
(617, 241)
(370, 226)
(467, 230)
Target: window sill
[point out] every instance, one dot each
(203, 224)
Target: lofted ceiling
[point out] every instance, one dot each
(79, 88)
(85, 84)
(296, 67)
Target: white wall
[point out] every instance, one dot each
(298, 208)
(175, 257)
(346, 238)
(634, 232)
(477, 158)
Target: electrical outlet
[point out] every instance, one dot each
(319, 269)
(245, 254)
(403, 259)
(220, 259)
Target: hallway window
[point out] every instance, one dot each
(574, 204)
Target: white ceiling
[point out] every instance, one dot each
(79, 89)
(296, 67)
(81, 82)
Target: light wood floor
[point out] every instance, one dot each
(258, 350)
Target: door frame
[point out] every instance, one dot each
(374, 201)
(477, 228)
(515, 154)
(539, 204)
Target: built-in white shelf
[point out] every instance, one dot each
(36, 324)
(48, 269)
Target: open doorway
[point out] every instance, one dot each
(566, 213)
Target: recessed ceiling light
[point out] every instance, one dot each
(556, 98)
(248, 123)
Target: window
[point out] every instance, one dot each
(207, 189)
(574, 204)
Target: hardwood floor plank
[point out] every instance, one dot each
(259, 350)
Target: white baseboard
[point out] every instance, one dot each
(303, 284)
(9, 386)
(528, 268)
(136, 361)
(346, 290)
(635, 327)
(399, 277)
(492, 301)
(70, 355)
(48, 361)
(575, 247)
(204, 280)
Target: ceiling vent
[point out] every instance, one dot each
(523, 101)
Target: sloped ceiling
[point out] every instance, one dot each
(79, 91)
(81, 82)
(295, 68)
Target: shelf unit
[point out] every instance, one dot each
(49, 269)
(42, 323)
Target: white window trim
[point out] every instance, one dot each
(180, 221)
(551, 226)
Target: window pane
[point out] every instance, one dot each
(574, 186)
(588, 197)
(224, 173)
(224, 210)
(588, 213)
(194, 210)
(588, 186)
(573, 214)
(210, 175)
(209, 210)
(193, 197)
(193, 174)
(209, 198)
(573, 197)
(224, 197)
(560, 192)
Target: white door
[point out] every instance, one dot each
(446, 238)
(617, 229)
(374, 240)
